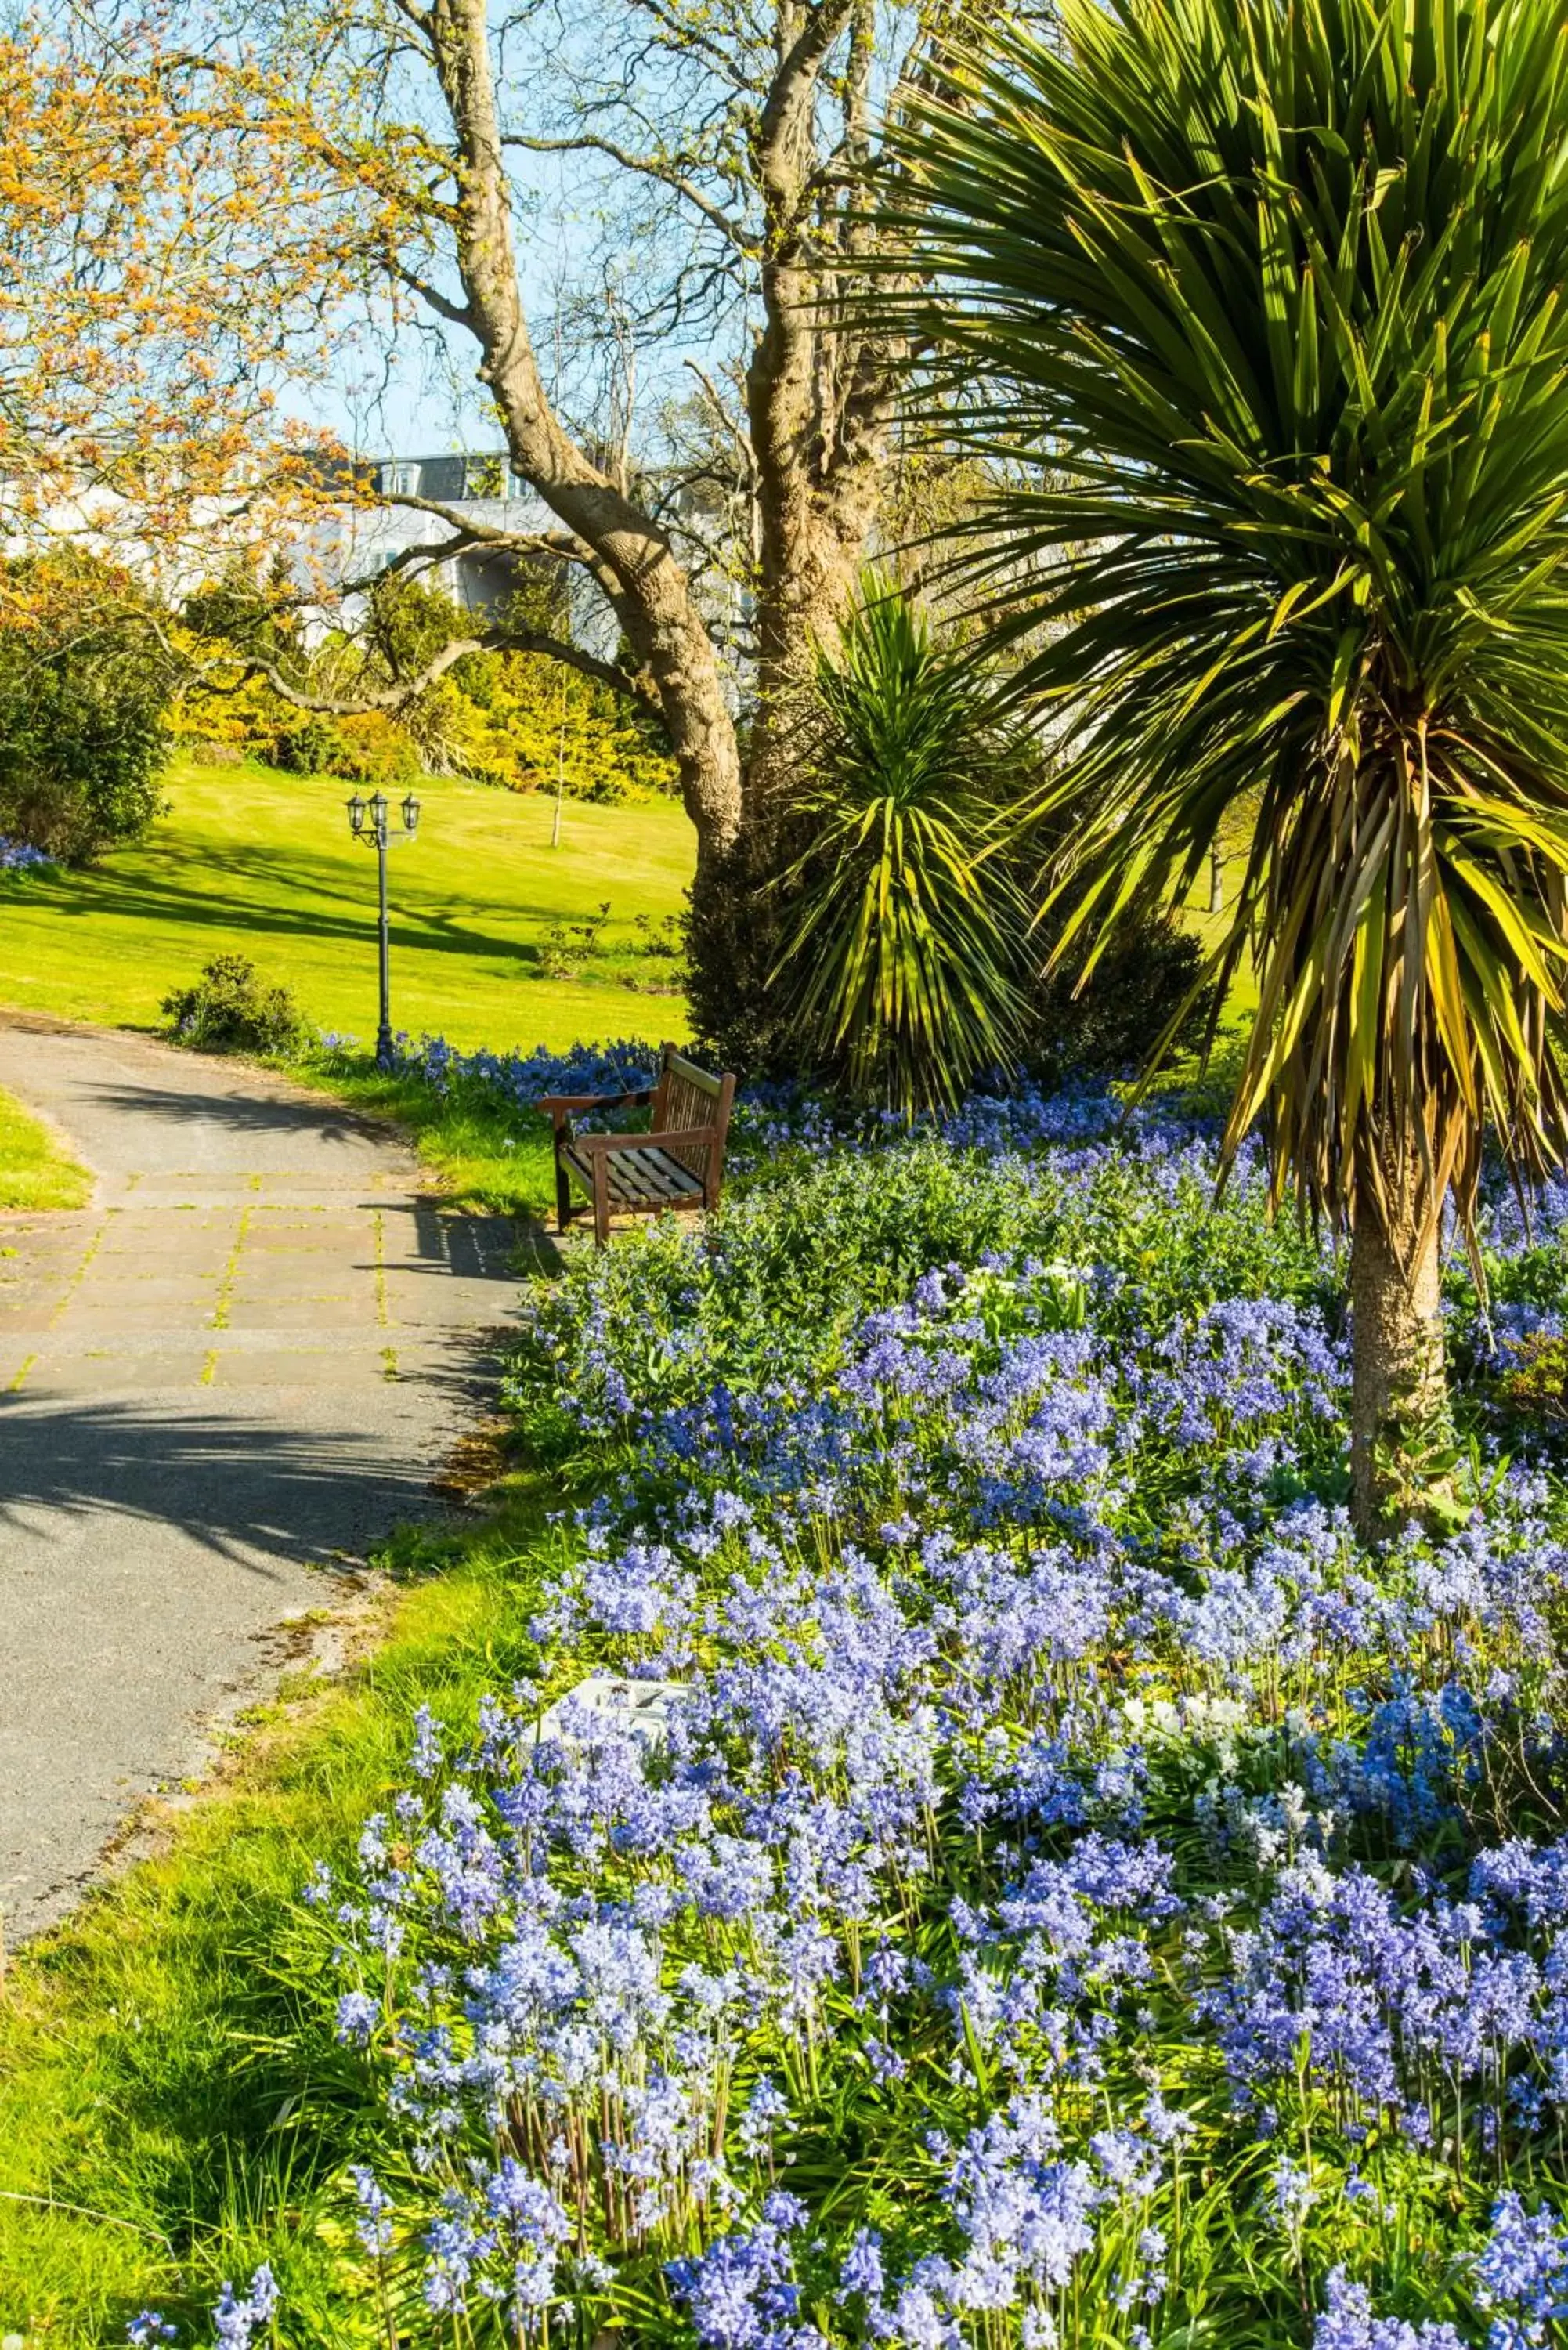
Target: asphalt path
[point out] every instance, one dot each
(219, 1384)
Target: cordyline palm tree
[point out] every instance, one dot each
(1276, 290)
(906, 957)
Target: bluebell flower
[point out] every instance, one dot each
(238, 2317)
(1347, 2323)
(373, 2225)
(1290, 2195)
(1521, 2276)
(861, 2272)
(426, 1759)
(357, 2017)
(739, 2293)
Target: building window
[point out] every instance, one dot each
(399, 481)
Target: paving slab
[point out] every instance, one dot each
(219, 1386)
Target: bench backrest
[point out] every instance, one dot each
(687, 1095)
(685, 1098)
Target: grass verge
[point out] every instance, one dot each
(173, 2107)
(35, 1172)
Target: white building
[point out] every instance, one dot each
(360, 541)
(474, 492)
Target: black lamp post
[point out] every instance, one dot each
(367, 822)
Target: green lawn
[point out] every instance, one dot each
(250, 861)
(34, 1170)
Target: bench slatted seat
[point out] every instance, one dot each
(679, 1163)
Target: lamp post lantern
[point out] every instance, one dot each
(367, 821)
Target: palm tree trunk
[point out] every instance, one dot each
(1399, 1378)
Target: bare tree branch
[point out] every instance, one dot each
(669, 175)
(725, 420)
(564, 547)
(404, 690)
(456, 314)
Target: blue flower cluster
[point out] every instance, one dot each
(21, 857)
(518, 1079)
(772, 1120)
(986, 1857)
(238, 2321)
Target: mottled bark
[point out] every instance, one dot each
(632, 555)
(819, 388)
(815, 547)
(1399, 1380)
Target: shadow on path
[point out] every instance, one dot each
(250, 1113)
(246, 1488)
(201, 1413)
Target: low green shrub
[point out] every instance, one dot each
(818, 1238)
(310, 745)
(232, 1008)
(367, 749)
(1146, 984)
(568, 946)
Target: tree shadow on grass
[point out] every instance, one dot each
(204, 903)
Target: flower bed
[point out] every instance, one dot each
(769, 1121)
(516, 1080)
(1057, 1887)
(19, 857)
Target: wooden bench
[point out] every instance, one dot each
(679, 1163)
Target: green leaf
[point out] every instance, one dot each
(1280, 291)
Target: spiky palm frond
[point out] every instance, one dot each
(1275, 290)
(906, 951)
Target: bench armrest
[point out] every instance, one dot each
(558, 1108)
(683, 1138)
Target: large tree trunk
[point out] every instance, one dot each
(628, 552)
(818, 393)
(1399, 1380)
(809, 574)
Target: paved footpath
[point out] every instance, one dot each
(218, 1384)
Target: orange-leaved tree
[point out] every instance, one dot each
(154, 264)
